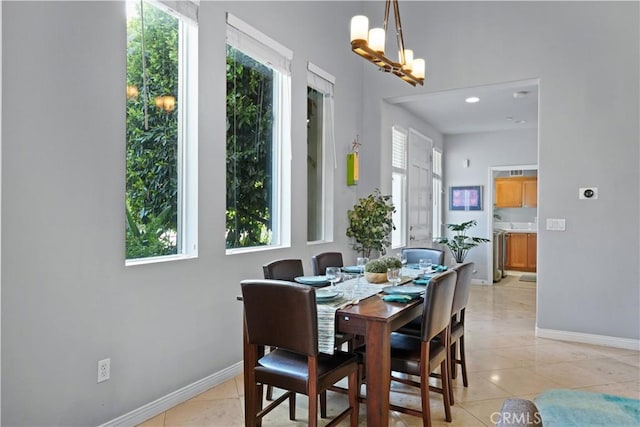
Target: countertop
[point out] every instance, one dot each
(516, 227)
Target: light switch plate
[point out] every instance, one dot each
(556, 224)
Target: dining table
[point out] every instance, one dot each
(374, 319)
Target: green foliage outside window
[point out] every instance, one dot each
(249, 151)
(152, 152)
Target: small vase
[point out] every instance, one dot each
(375, 277)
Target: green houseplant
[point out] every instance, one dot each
(376, 270)
(460, 244)
(371, 223)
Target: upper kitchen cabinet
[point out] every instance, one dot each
(516, 192)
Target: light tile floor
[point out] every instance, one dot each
(505, 359)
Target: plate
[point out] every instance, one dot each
(405, 290)
(353, 269)
(326, 294)
(312, 280)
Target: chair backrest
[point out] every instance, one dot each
(438, 300)
(463, 284)
(414, 255)
(281, 314)
(321, 261)
(283, 269)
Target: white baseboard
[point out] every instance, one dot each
(626, 343)
(164, 403)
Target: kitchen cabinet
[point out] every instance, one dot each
(516, 192)
(530, 192)
(532, 251)
(521, 251)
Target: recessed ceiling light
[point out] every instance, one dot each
(519, 122)
(520, 94)
(472, 100)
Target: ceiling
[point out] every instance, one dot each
(497, 110)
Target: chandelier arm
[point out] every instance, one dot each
(386, 16)
(399, 36)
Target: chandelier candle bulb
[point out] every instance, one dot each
(418, 68)
(370, 44)
(377, 39)
(408, 60)
(359, 28)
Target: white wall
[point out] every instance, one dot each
(586, 55)
(67, 298)
(484, 150)
(1, 3)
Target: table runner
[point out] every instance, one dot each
(353, 290)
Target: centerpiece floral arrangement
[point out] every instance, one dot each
(375, 271)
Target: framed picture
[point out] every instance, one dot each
(467, 198)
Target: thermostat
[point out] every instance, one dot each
(588, 193)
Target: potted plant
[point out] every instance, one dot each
(375, 271)
(371, 223)
(460, 244)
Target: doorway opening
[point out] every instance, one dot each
(514, 225)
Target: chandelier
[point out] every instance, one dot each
(370, 44)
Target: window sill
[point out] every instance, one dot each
(158, 259)
(237, 251)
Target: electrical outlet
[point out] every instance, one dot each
(104, 370)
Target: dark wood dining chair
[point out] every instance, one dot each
(414, 255)
(321, 261)
(283, 269)
(289, 269)
(422, 355)
(460, 300)
(283, 315)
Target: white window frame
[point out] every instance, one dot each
(399, 148)
(438, 192)
(272, 54)
(187, 170)
(324, 83)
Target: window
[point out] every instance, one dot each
(161, 186)
(258, 139)
(399, 186)
(437, 192)
(319, 143)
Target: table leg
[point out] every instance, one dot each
(252, 399)
(378, 373)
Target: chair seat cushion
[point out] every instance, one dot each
(405, 353)
(289, 370)
(413, 328)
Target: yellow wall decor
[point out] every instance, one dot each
(352, 168)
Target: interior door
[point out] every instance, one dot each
(419, 197)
